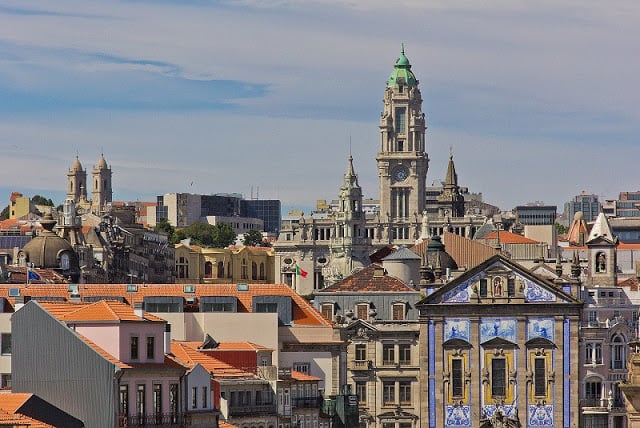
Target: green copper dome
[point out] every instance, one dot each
(402, 74)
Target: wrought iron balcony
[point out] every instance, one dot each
(252, 409)
(307, 402)
(168, 420)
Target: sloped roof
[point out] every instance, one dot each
(466, 252)
(403, 253)
(102, 310)
(303, 312)
(241, 346)
(192, 356)
(368, 280)
(601, 230)
(507, 237)
(296, 375)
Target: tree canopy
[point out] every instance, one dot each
(164, 226)
(41, 200)
(253, 238)
(219, 236)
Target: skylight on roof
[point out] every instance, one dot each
(189, 288)
(14, 292)
(132, 288)
(242, 286)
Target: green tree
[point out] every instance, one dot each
(224, 235)
(41, 200)
(164, 226)
(561, 230)
(252, 238)
(219, 236)
(5, 213)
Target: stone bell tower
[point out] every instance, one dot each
(402, 159)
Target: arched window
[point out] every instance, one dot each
(618, 353)
(182, 267)
(220, 269)
(254, 270)
(243, 270)
(208, 270)
(262, 271)
(64, 261)
(601, 262)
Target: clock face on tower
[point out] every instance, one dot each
(400, 174)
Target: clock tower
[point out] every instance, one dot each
(402, 159)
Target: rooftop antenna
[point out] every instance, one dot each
(349, 145)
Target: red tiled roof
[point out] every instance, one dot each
(19, 275)
(102, 310)
(303, 312)
(224, 424)
(296, 375)
(368, 279)
(241, 346)
(192, 356)
(507, 237)
(12, 401)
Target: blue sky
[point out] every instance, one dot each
(537, 100)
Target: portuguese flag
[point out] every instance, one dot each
(299, 271)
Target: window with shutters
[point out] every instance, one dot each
(398, 311)
(327, 311)
(362, 311)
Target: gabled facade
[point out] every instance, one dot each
(501, 347)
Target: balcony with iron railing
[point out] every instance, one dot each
(253, 409)
(361, 365)
(601, 405)
(167, 420)
(307, 402)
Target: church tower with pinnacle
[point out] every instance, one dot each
(402, 159)
(102, 193)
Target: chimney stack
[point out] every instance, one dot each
(167, 338)
(138, 309)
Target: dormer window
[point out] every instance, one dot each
(397, 311)
(362, 311)
(327, 311)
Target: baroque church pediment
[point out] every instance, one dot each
(540, 342)
(457, 343)
(498, 342)
(527, 288)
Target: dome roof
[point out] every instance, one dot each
(102, 163)
(76, 166)
(46, 250)
(402, 74)
(437, 257)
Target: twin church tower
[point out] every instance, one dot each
(102, 193)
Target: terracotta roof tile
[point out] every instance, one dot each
(368, 279)
(303, 312)
(296, 375)
(510, 238)
(10, 402)
(192, 356)
(241, 346)
(102, 310)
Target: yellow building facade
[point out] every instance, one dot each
(195, 264)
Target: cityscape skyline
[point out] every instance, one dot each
(270, 97)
